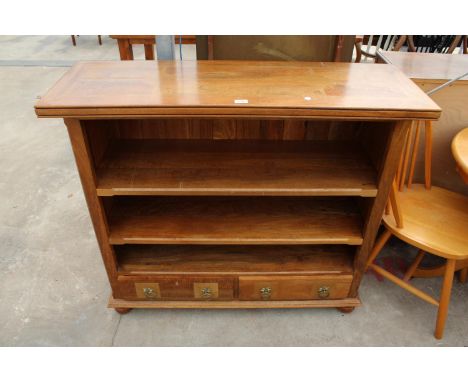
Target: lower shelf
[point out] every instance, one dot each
(215, 260)
(343, 303)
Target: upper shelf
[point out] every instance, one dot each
(236, 88)
(207, 167)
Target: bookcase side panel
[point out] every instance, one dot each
(86, 170)
(390, 148)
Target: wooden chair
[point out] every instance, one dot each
(433, 43)
(126, 42)
(336, 48)
(367, 45)
(74, 39)
(463, 45)
(430, 218)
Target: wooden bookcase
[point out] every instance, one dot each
(235, 184)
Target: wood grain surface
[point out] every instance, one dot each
(460, 153)
(234, 259)
(305, 89)
(204, 167)
(435, 221)
(234, 220)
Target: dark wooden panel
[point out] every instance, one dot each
(99, 136)
(232, 129)
(294, 130)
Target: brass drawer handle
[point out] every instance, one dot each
(265, 293)
(206, 292)
(149, 292)
(323, 292)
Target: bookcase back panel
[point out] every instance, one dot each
(229, 129)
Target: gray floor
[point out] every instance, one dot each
(53, 288)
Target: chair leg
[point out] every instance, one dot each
(149, 51)
(379, 244)
(428, 154)
(99, 39)
(387, 208)
(463, 276)
(357, 46)
(393, 198)
(414, 265)
(444, 298)
(73, 40)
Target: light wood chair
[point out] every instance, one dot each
(430, 218)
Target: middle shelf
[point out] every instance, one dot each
(234, 220)
(235, 167)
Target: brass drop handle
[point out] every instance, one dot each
(149, 292)
(265, 293)
(206, 292)
(323, 292)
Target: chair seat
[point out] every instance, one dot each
(434, 220)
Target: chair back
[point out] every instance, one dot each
(407, 164)
(368, 45)
(275, 48)
(433, 43)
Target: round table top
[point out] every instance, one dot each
(460, 152)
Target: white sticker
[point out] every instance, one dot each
(241, 101)
(308, 98)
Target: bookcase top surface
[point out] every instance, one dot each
(106, 89)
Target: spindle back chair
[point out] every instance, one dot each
(430, 218)
(367, 45)
(433, 43)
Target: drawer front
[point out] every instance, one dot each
(294, 287)
(176, 288)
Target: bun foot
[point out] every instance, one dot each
(123, 310)
(346, 309)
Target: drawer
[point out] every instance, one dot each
(294, 287)
(176, 288)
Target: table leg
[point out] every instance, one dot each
(125, 49)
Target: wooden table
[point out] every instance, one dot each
(126, 42)
(460, 153)
(429, 70)
(235, 184)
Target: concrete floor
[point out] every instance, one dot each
(53, 288)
